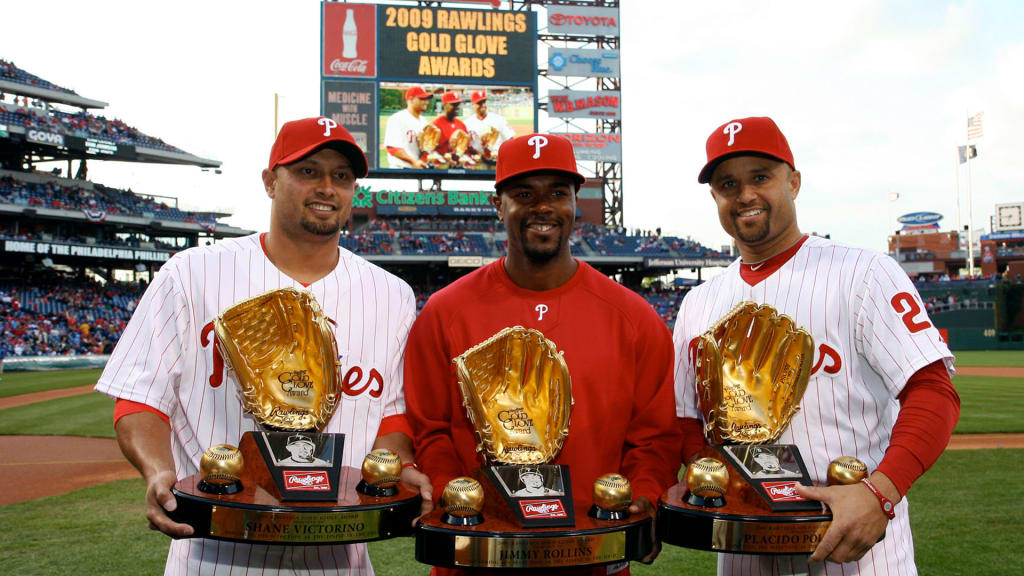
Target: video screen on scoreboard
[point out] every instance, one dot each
(448, 128)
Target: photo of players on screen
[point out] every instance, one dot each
(450, 127)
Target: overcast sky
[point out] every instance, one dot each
(872, 95)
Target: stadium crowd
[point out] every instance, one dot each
(101, 201)
(62, 316)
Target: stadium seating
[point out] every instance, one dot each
(62, 316)
(99, 199)
(81, 124)
(11, 73)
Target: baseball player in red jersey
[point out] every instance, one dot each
(880, 385)
(618, 351)
(449, 122)
(173, 398)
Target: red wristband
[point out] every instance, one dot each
(410, 464)
(887, 506)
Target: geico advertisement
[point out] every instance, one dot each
(454, 44)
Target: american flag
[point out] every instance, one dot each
(974, 130)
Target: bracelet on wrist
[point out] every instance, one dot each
(410, 464)
(887, 506)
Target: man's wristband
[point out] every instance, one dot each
(410, 464)
(886, 504)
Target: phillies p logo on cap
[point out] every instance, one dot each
(536, 153)
(756, 136)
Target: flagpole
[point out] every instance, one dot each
(956, 193)
(970, 205)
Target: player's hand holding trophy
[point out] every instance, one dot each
(286, 483)
(739, 495)
(518, 510)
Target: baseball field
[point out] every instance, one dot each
(71, 505)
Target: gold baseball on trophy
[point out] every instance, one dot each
(846, 470)
(612, 492)
(707, 478)
(382, 468)
(221, 464)
(463, 496)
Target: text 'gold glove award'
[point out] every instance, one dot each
(517, 392)
(287, 483)
(739, 495)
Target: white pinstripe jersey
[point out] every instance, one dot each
(166, 359)
(871, 334)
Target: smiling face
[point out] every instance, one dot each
(755, 198)
(539, 211)
(418, 105)
(312, 196)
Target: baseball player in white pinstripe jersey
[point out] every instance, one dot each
(173, 400)
(880, 386)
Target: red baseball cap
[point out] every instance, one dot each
(299, 138)
(757, 136)
(478, 96)
(417, 92)
(536, 153)
(451, 98)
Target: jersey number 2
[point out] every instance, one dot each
(905, 305)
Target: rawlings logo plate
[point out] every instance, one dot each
(542, 509)
(306, 481)
(782, 491)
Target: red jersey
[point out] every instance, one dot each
(447, 127)
(619, 354)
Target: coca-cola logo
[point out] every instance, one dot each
(316, 481)
(349, 66)
(542, 509)
(782, 491)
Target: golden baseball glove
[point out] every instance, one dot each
(751, 372)
(458, 142)
(516, 388)
(489, 141)
(282, 350)
(429, 138)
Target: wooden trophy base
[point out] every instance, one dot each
(744, 524)
(256, 514)
(499, 540)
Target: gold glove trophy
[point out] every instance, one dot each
(286, 483)
(739, 495)
(518, 510)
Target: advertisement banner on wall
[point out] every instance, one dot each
(40, 137)
(593, 147)
(591, 63)
(349, 39)
(602, 104)
(583, 20)
(353, 104)
(446, 44)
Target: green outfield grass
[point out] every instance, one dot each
(958, 529)
(14, 383)
(990, 358)
(989, 404)
(83, 415)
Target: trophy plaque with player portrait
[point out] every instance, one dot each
(739, 494)
(518, 511)
(285, 483)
